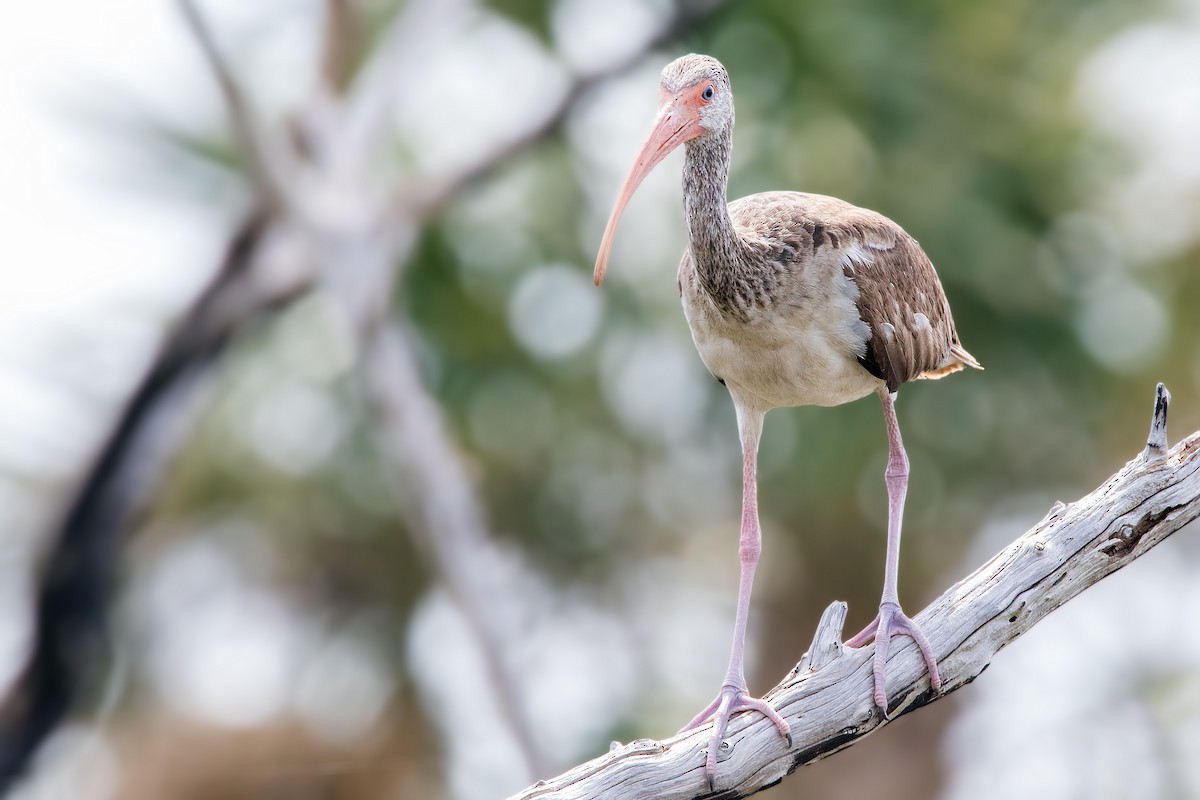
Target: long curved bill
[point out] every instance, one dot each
(671, 129)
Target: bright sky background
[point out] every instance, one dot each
(93, 265)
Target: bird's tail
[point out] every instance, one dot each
(958, 358)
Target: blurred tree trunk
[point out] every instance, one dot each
(358, 259)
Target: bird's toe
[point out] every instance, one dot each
(730, 701)
(892, 621)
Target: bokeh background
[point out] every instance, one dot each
(371, 494)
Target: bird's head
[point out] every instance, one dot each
(695, 88)
(694, 102)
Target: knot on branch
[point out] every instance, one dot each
(1128, 536)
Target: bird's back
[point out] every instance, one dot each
(822, 275)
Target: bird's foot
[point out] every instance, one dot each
(731, 700)
(890, 622)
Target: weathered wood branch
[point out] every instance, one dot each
(827, 697)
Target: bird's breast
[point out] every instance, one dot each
(800, 347)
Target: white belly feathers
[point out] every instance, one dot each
(802, 354)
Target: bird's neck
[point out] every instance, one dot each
(715, 245)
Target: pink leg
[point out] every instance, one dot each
(891, 621)
(734, 695)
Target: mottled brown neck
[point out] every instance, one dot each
(716, 247)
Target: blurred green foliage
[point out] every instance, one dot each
(959, 121)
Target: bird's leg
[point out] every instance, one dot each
(734, 695)
(891, 620)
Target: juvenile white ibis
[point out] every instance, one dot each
(793, 299)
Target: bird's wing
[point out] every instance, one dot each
(899, 295)
(901, 299)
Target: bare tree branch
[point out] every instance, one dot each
(414, 34)
(827, 697)
(337, 45)
(448, 522)
(261, 156)
(427, 199)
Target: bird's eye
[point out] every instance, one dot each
(709, 91)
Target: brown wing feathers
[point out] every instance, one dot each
(899, 294)
(901, 299)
